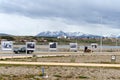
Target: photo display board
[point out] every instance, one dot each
(30, 45)
(94, 45)
(73, 46)
(53, 46)
(7, 45)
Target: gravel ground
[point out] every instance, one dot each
(58, 73)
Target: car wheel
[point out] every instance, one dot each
(18, 52)
(30, 52)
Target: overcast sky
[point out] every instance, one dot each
(29, 17)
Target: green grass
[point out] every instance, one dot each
(83, 77)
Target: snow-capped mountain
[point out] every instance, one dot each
(52, 34)
(112, 35)
(68, 34)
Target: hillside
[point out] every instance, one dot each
(3, 34)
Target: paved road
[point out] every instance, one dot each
(41, 54)
(62, 64)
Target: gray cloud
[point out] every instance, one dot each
(74, 11)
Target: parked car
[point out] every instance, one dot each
(22, 50)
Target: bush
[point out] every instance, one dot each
(34, 56)
(9, 38)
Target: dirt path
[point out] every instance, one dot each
(61, 64)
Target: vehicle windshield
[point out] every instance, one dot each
(23, 48)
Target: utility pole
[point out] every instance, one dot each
(116, 43)
(101, 41)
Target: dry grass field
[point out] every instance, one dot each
(82, 58)
(15, 72)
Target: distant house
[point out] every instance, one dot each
(62, 37)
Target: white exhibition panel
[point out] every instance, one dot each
(53, 46)
(73, 46)
(7, 45)
(30, 45)
(94, 45)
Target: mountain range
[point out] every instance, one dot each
(68, 34)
